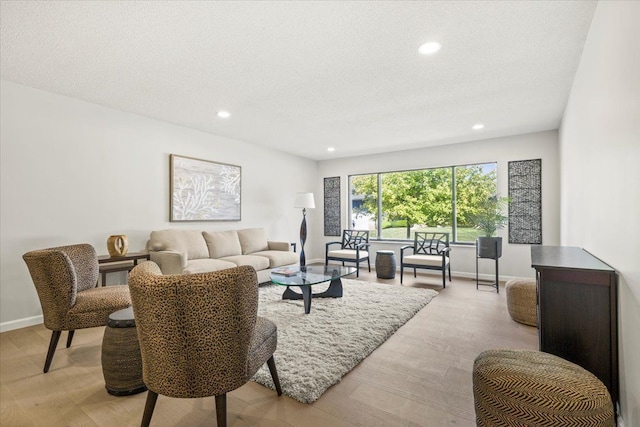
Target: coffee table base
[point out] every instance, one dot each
(333, 291)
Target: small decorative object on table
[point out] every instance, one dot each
(117, 245)
(285, 271)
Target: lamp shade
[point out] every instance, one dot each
(304, 200)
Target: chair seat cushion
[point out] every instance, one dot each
(347, 254)
(426, 260)
(263, 344)
(93, 306)
(257, 262)
(278, 258)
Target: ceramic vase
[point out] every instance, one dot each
(117, 245)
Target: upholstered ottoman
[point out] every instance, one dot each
(521, 301)
(532, 388)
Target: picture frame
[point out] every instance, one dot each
(203, 190)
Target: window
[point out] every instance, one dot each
(394, 205)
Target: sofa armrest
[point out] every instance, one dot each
(170, 262)
(279, 246)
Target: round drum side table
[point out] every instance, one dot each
(121, 360)
(386, 264)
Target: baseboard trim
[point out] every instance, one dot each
(21, 323)
(483, 277)
(619, 420)
(457, 274)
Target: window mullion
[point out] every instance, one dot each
(454, 223)
(379, 221)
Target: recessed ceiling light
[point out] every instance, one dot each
(429, 48)
(477, 126)
(331, 149)
(223, 114)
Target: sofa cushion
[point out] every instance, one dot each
(222, 243)
(253, 240)
(278, 258)
(189, 242)
(206, 265)
(257, 262)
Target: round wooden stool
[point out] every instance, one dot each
(386, 264)
(530, 388)
(121, 361)
(521, 301)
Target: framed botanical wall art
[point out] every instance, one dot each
(202, 190)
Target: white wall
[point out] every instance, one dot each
(73, 171)
(600, 154)
(516, 260)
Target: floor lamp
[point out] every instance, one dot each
(304, 201)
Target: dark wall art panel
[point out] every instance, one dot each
(525, 201)
(332, 206)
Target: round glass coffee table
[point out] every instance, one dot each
(305, 277)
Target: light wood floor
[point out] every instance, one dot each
(421, 376)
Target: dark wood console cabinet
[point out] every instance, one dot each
(577, 310)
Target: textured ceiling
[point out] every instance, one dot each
(302, 76)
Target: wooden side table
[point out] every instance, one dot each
(111, 264)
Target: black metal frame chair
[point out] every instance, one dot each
(430, 251)
(353, 242)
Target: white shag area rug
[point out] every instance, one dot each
(315, 350)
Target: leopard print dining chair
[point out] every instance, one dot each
(65, 278)
(199, 333)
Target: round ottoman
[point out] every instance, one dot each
(521, 301)
(385, 264)
(532, 388)
(121, 360)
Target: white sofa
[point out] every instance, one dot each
(192, 251)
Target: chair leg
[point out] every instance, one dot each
(369, 264)
(152, 397)
(55, 336)
(221, 410)
(444, 278)
(401, 273)
(271, 363)
(449, 266)
(357, 268)
(70, 338)
(414, 272)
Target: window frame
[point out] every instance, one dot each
(378, 219)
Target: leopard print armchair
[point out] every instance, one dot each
(65, 278)
(199, 333)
